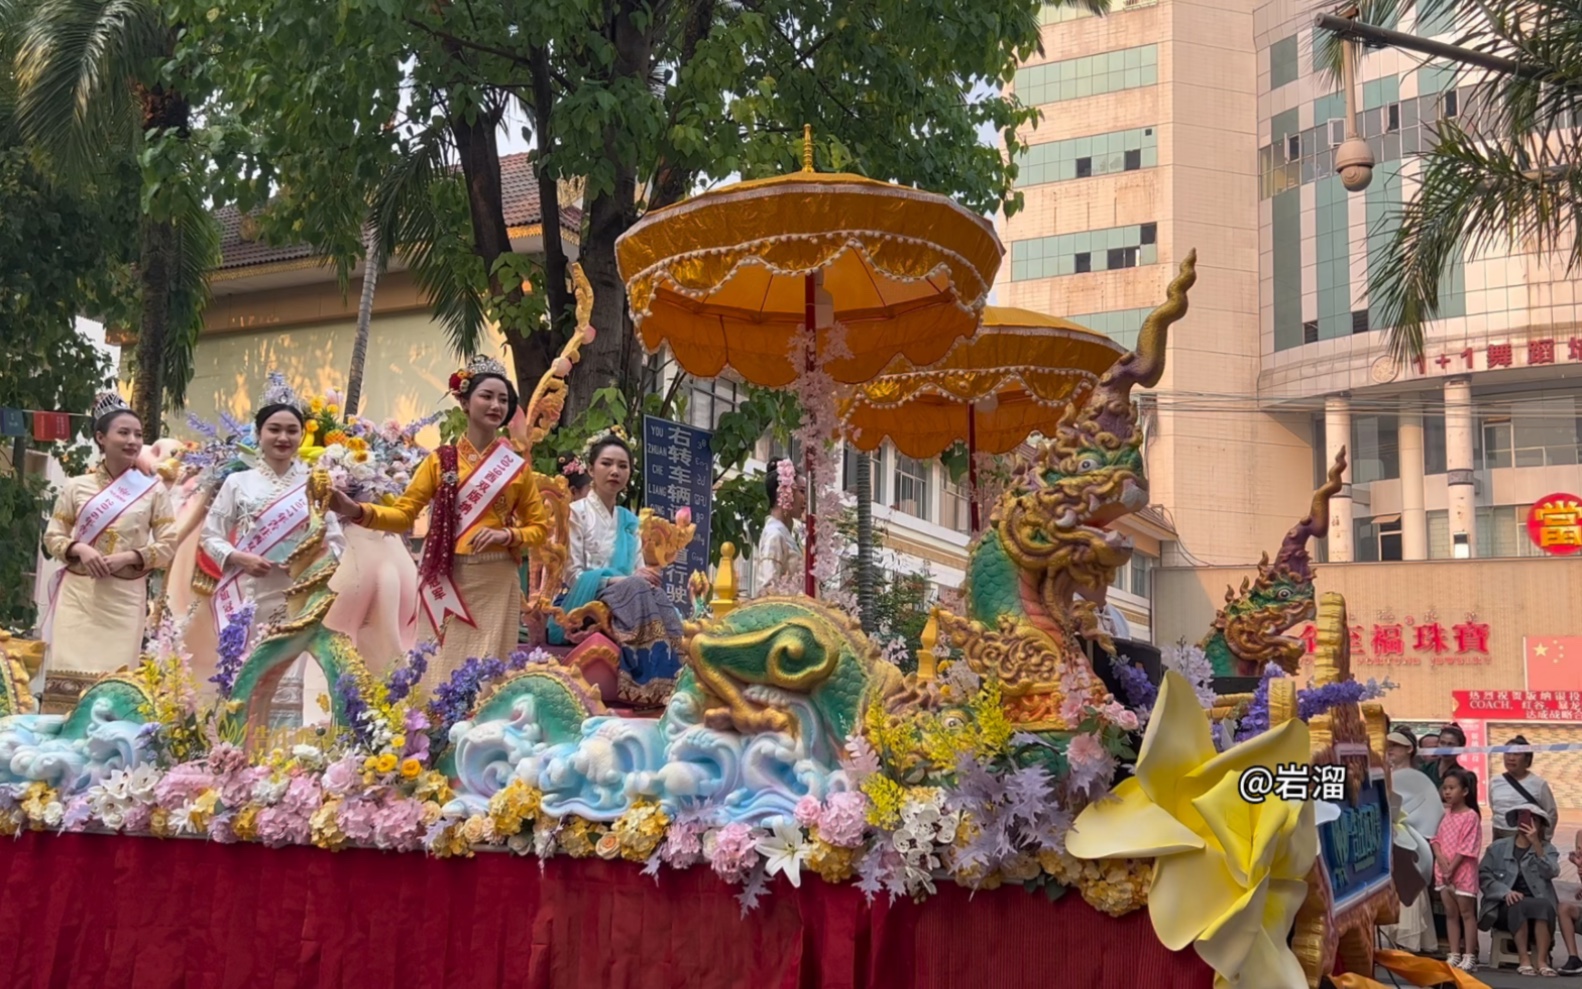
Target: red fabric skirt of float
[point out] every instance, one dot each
(140, 913)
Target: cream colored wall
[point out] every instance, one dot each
(409, 362)
(1516, 598)
(1229, 476)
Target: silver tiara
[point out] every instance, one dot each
(280, 393)
(106, 403)
(484, 365)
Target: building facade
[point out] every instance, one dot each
(1172, 124)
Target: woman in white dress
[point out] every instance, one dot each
(605, 564)
(778, 562)
(111, 527)
(258, 518)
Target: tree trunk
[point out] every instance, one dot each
(865, 574)
(614, 357)
(479, 151)
(372, 261)
(556, 266)
(162, 110)
(153, 274)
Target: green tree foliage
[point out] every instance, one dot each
(1505, 175)
(59, 255)
(390, 112)
(98, 85)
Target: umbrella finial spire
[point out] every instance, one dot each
(807, 147)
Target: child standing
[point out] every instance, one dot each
(1456, 849)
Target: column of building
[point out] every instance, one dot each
(1414, 520)
(1458, 468)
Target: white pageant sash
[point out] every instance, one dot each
(276, 522)
(498, 471)
(101, 512)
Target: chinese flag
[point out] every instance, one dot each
(50, 427)
(1554, 662)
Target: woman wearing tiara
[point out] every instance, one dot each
(777, 564)
(486, 510)
(111, 528)
(259, 518)
(604, 565)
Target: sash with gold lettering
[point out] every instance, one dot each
(101, 512)
(487, 482)
(282, 517)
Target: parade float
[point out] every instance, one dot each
(1025, 809)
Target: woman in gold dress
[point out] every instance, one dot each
(111, 528)
(485, 510)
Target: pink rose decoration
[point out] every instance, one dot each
(236, 788)
(844, 818)
(735, 852)
(807, 812)
(357, 819)
(684, 515)
(278, 826)
(398, 824)
(183, 783)
(560, 367)
(343, 776)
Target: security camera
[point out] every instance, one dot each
(1354, 162)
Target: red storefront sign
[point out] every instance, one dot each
(1554, 524)
(1518, 705)
(1387, 642)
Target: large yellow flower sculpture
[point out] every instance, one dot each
(1229, 875)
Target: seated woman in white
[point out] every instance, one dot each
(778, 561)
(605, 564)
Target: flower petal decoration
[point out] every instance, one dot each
(1229, 875)
(784, 851)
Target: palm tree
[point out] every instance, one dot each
(1505, 174)
(373, 258)
(89, 90)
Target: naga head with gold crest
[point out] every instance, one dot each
(1056, 515)
(1254, 619)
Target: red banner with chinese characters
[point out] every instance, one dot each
(1518, 705)
(1554, 524)
(1387, 642)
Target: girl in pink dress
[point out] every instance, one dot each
(1456, 849)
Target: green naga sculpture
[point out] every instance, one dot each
(1038, 576)
(1247, 632)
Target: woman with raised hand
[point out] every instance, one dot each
(260, 517)
(111, 527)
(485, 511)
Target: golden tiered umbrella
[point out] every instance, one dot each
(1012, 378)
(727, 278)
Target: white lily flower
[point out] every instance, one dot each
(784, 851)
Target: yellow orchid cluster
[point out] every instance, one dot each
(325, 827)
(513, 806)
(927, 743)
(167, 682)
(40, 807)
(1113, 886)
(1228, 875)
(640, 830)
(886, 797)
(833, 863)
